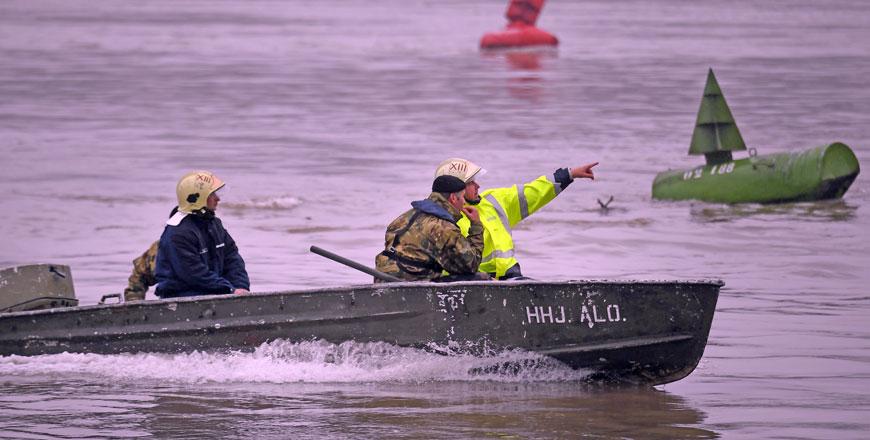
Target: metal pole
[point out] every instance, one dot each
(354, 264)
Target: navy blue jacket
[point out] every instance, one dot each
(198, 257)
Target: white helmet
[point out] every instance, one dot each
(194, 188)
(461, 168)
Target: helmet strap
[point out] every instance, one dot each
(474, 202)
(204, 213)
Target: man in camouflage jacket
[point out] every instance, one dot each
(425, 241)
(144, 267)
(143, 275)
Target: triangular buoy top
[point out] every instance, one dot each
(716, 134)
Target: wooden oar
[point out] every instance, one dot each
(339, 259)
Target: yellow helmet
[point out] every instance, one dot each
(461, 168)
(194, 188)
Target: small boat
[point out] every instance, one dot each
(640, 332)
(819, 173)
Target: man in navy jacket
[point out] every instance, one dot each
(197, 256)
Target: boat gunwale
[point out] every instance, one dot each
(374, 287)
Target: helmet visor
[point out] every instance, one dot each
(476, 175)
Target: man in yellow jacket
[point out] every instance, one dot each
(500, 209)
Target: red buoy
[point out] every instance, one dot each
(521, 30)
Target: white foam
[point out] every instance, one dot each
(310, 362)
(278, 203)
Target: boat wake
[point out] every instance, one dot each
(309, 362)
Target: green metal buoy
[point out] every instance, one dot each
(716, 134)
(818, 173)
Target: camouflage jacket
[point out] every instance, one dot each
(143, 274)
(430, 242)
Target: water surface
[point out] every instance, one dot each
(327, 118)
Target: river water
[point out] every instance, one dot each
(327, 118)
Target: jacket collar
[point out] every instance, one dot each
(176, 218)
(438, 206)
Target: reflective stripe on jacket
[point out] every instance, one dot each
(501, 209)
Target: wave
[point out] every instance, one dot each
(279, 203)
(308, 362)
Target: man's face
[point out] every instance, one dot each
(471, 194)
(212, 201)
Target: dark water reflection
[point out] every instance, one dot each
(824, 211)
(432, 410)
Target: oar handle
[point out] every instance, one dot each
(339, 259)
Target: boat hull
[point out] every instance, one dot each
(815, 174)
(640, 332)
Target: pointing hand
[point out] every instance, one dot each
(583, 171)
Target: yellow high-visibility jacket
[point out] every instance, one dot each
(501, 209)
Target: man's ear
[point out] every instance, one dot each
(451, 199)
